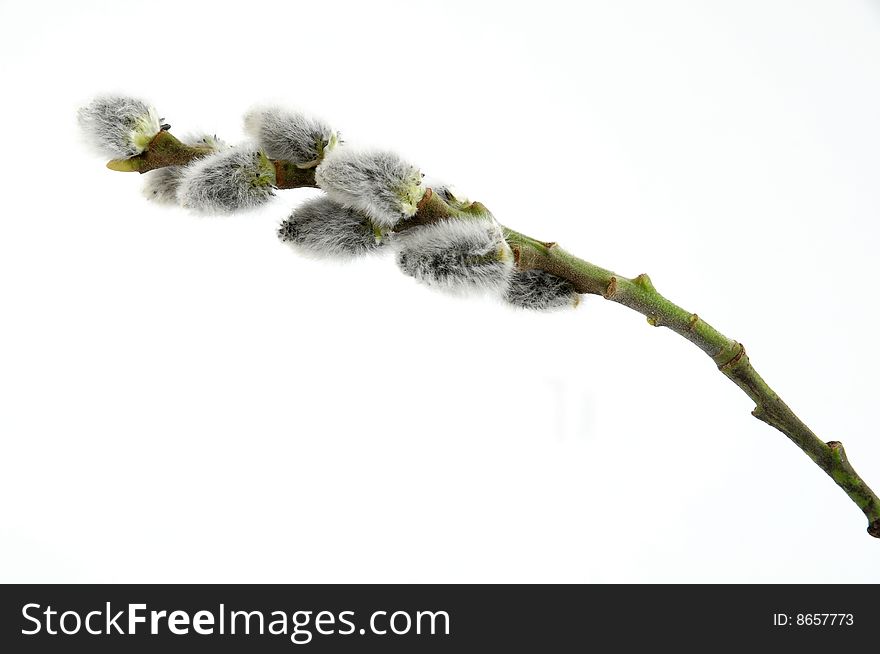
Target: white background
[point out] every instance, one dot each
(184, 399)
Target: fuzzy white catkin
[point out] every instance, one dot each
(161, 185)
(379, 183)
(286, 134)
(118, 126)
(540, 290)
(324, 228)
(231, 180)
(457, 255)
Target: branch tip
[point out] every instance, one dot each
(124, 165)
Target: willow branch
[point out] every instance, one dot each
(637, 294)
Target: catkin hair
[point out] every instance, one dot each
(286, 134)
(379, 183)
(231, 180)
(456, 255)
(540, 290)
(118, 126)
(322, 227)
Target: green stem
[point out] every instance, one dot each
(640, 295)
